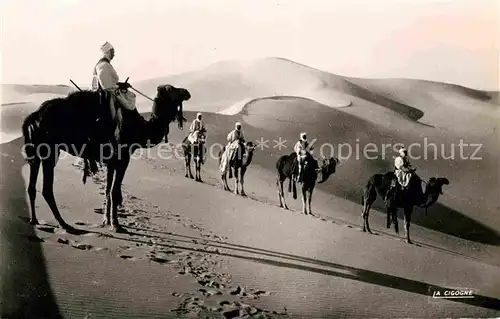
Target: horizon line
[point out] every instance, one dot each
(488, 90)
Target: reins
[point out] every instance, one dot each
(147, 97)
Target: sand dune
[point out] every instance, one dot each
(16, 93)
(221, 85)
(283, 98)
(276, 99)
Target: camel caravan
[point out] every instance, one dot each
(105, 118)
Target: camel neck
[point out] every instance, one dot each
(156, 127)
(248, 160)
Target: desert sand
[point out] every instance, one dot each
(196, 250)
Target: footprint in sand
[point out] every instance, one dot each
(127, 257)
(46, 228)
(208, 292)
(81, 246)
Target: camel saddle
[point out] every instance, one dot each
(107, 128)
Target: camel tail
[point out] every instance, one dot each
(28, 134)
(290, 185)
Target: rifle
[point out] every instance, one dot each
(75, 84)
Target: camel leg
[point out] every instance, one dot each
(281, 194)
(394, 213)
(309, 199)
(106, 221)
(242, 181)
(236, 181)
(224, 181)
(408, 211)
(120, 170)
(294, 190)
(188, 165)
(388, 210)
(304, 200)
(34, 170)
(365, 214)
(197, 170)
(48, 191)
(198, 163)
(367, 204)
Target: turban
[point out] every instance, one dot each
(106, 47)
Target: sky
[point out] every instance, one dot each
(50, 42)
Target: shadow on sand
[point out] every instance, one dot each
(25, 290)
(300, 263)
(443, 219)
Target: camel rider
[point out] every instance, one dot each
(105, 80)
(197, 127)
(234, 138)
(403, 171)
(302, 149)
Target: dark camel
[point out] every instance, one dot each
(238, 166)
(195, 150)
(69, 124)
(406, 198)
(287, 166)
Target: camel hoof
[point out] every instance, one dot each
(243, 194)
(117, 229)
(105, 222)
(71, 230)
(409, 242)
(34, 221)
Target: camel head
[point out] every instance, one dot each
(168, 104)
(327, 168)
(250, 146)
(433, 189)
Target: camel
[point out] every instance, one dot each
(406, 198)
(287, 166)
(196, 151)
(69, 124)
(238, 166)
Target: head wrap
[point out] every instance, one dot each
(238, 124)
(402, 151)
(303, 136)
(106, 47)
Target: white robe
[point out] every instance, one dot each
(195, 128)
(402, 176)
(233, 141)
(105, 75)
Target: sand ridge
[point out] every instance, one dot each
(234, 251)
